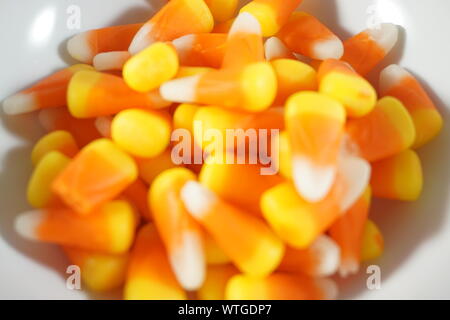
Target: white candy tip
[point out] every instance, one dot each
(390, 77)
(27, 224)
(181, 90)
(328, 254)
(312, 182)
(188, 262)
(184, 44)
(328, 49)
(141, 40)
(19, 103)
(111, 60)
(329, 288)
(197, 199)
(274, 48)
(245, 22)
(356, 172)
(79, 48)
(348, 268)
(103, 126)
(385, 35)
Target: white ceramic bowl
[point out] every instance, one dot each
(416, 263)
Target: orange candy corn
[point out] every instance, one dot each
(348, 232)
(201, 50)
(86, 45)
(61, 141)
(175, 19)
(306, 35)
(216, 281)
(321, 259)
(100, 272)
(252, 88)
(315, 124)
(366, 50)
(83, 130)
(149, 275)
(110, 229)
(338, 80)
(92, 94)
(399, 83)
(48, 93)
(244, 37)
(180, 233)
(272, 14)
(280, 286)
(149, 169)
(399, 177)
(247, 240)
(99, 173)
(373, 242)
(384, 132)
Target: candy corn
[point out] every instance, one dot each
(61, 141)
(384, 132)
(366, 50)
(399, 83)
(149, 275)
(175, 19)
(93, 94)
(272, 14)
(306, 35)
(252, 88)
(150, 168)
(99, 173)
(47, 93)
(180, 233)
(399, 177)
(247, 240)
(222, 10)
(274, 48)
(110, 229)
(338, 80)
(85, 46)
(315, 124)
(280, 286)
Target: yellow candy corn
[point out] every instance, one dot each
(339, 81)
(148, 69)
(213, 253)
(285, 156)
(100, 272)
(222, 10)
(216, 281)
(399, 177)
(183, 117)
(39, 192)
(373, 243)
(60, 140)
(142, 133)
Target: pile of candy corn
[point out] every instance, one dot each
(106, 189)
